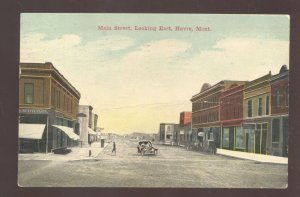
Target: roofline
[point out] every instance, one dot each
(214, 86)
(279, 76)
(55, 69)
(89, 106)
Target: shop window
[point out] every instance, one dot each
(259, 106)
(249, 107)
(275, 130)
(225, 140)
(239, 138)
(211, 135)
(29, 93)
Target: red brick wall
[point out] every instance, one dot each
(231, 104)
(282, 108)
(185, 118)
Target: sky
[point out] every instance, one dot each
(136, 79)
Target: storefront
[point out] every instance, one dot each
(233, 138)
(46, 97)
(43, 130)
(257, 137)
(280, 128)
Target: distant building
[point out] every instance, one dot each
(48, 107)
(185, 127)
(280, 112)
(87, 134)
(168, 133)
(95, 122)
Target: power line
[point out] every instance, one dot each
(147, 105)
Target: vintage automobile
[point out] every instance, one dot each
(145, 147)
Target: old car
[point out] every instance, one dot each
(145, 147)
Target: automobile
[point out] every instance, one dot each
(145, 147)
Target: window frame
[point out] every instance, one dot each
(260, 106)
(248, 108)
(267, 103)
(25, 94)
(277, 98)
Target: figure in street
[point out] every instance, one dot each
(114, 149)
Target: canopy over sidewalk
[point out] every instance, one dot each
(31, 131)
(68, 131)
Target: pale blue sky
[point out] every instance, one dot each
(126, 69)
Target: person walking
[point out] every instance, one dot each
(114, 149)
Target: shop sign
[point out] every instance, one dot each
(33, 111)
(201, 134)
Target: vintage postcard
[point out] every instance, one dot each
(153, 100)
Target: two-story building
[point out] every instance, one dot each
(231, 115)
(206, 112)
(257, 110)
(280, 112)
(48, 107)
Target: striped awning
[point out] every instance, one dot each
(31, 131)
(68, 131)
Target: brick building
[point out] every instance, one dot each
(231, 114)
(48, 107)
(280, 112)
(185, 127)
(206, 112)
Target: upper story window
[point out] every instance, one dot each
(249, 107)
(259, 106)
(277, 98)
(287, 96)
(29, 93)
(267, 105)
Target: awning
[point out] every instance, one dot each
(91, 131)
(68, 131)
(31, 131)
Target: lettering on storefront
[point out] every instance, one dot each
(33, 111)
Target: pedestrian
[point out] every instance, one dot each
(114, 149)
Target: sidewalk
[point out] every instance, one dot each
(253, 156)
(77, 153)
